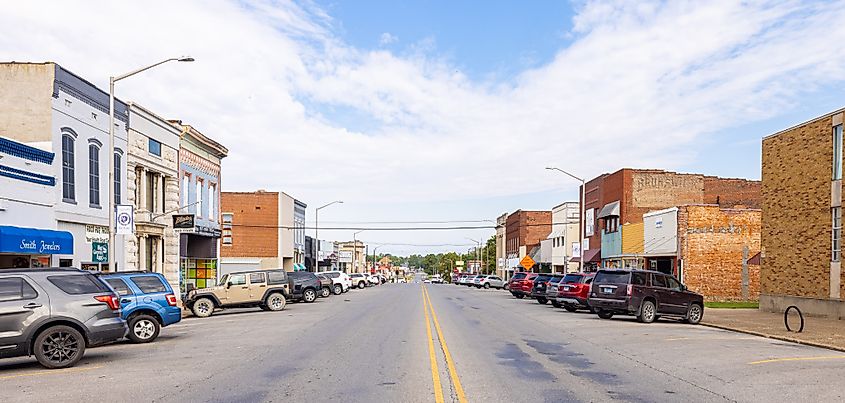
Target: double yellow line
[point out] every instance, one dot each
(450, 364)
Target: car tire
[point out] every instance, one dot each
(542, 300)
(143, 329)
(647, 313)
(203, 307)
(519, 296)
(337, 289)
(275, 301)
(604, 314)
(62, 341)
(570, 308)
(361, 285)
(694, 314)
(325, 292)
(264, 307)
(486, 285)
(309, 295)
(556, 304)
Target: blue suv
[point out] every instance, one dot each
(147, 303)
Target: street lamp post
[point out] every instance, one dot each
(112, 80)
(477, 252)
(583, 220)
(355, 248)
(316, 235)
(375, 249)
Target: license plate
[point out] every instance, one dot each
(607, 290)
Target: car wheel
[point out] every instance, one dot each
(275, 301)
(570, 308)
(556, 304)
(264, 307)
(519, 296)
(59, 347)
(647, 312)
(338, 289)
(325, 292)
(143, 329)
(486, 285)
(203, 308)
(694, 314)
(604, 314)
(309, 295)
(542, 300)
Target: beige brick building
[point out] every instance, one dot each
(802, 218)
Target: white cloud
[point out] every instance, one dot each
(640, 83)
(386, 39)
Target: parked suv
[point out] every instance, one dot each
(521, 284)
(267, 289)
(55, 314)
(573, 291)
(147, 303)
(491, 281)
(646, 294)
(325, 285)
(341, 281)
(359, 280)
(304, 286)
(538, 289)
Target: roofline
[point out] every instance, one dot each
(825, 116)
(663, 211)
(565, 203)
(222, 151)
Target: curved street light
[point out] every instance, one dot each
(583, 220)
(316, 232)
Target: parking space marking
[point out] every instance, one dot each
(51, 372)
(453, 373)
(824, 357)
(435, 372)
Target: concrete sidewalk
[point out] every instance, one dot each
(818, 331)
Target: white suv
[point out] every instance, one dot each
(359, 280)
(340, 281)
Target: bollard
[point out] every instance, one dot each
(786, 318)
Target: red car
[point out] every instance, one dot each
(521, 284)
(573, 291)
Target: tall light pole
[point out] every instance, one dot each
(583, 221)
(477, 252)
(316, 228)
(375, 249)
(355, 248)
(112, 80)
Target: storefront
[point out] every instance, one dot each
(31, 248)
(198, 263)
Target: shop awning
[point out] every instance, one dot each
(299, 267)
(32, 241)
(609, 210)
(590, 256)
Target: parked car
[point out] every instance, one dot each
(372, 279)
(646, 294)
(266, 289)
(401, 280)
(359, 280)
(437, 279)
(147, 303)
(55, 314)
(472, 281)
(491, 282)
(341, 281)
(538, 289)
(325, 285)
(572, 292)
(304, 286)
(521, 284)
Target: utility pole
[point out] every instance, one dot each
(582, 220)
(316, 229)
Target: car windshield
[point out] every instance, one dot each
(609, 277)
(573, 278)
(224, 279)
(518, 276)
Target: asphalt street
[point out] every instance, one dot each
(373, 345)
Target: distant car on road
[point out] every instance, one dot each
(573, 291)
(359, 280)
(491, 281)
(342, 281)
(436, 279)
(304, 286)
(147, 303)
(55, 314)
(266, 289)
(646, 294)
(401, 280)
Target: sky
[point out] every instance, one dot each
(433, 111)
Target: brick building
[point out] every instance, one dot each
(523, 232)
(614, 201)
(264, 231)
(802, 218)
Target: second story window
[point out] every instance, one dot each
(226, 227)
(117, 175)
(837, 152)
(68, 168)
(836, 233)
(211, 195)
(94, 175)
(199, 198)
(155, 148)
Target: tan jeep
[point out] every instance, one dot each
(267, 289)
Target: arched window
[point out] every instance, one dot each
(68, 171)
(94, 175)
(117, 176)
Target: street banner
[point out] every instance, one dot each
(345, 256)
(589, 223)
(125, 219)
(100, 252)
(576, 249)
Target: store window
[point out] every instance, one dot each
(201, 273)
(68, 166)
(94, 175)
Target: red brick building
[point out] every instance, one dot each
(523, 233)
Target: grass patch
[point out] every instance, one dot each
(733, 304)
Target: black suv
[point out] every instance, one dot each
(646, 294)
(538, 290)
(304, 286)
(54, 314)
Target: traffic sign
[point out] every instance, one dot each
(527, 262)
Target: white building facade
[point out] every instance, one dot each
(565, 223)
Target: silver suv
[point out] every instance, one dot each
(54, 314)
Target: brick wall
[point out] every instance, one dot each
(796, 194)
(254, 232)
(650, 190)
(528, 228)
(711, 246)
(730, 192)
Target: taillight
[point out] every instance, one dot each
(110, 300)
(171, 299)
(630, 287)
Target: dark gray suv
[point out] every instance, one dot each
(54, 314)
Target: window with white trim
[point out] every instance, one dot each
(199, 198)
(836, 233)
(211, 195)
(93, 175)
(837, 152)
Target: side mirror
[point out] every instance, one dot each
(229, 284)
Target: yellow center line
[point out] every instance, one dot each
(51, 372)
(453, 373)
(435, 373)
(826, 357)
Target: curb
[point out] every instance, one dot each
(775, 337)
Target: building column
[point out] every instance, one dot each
(142, 252)
(142, 191)
(160, 193)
